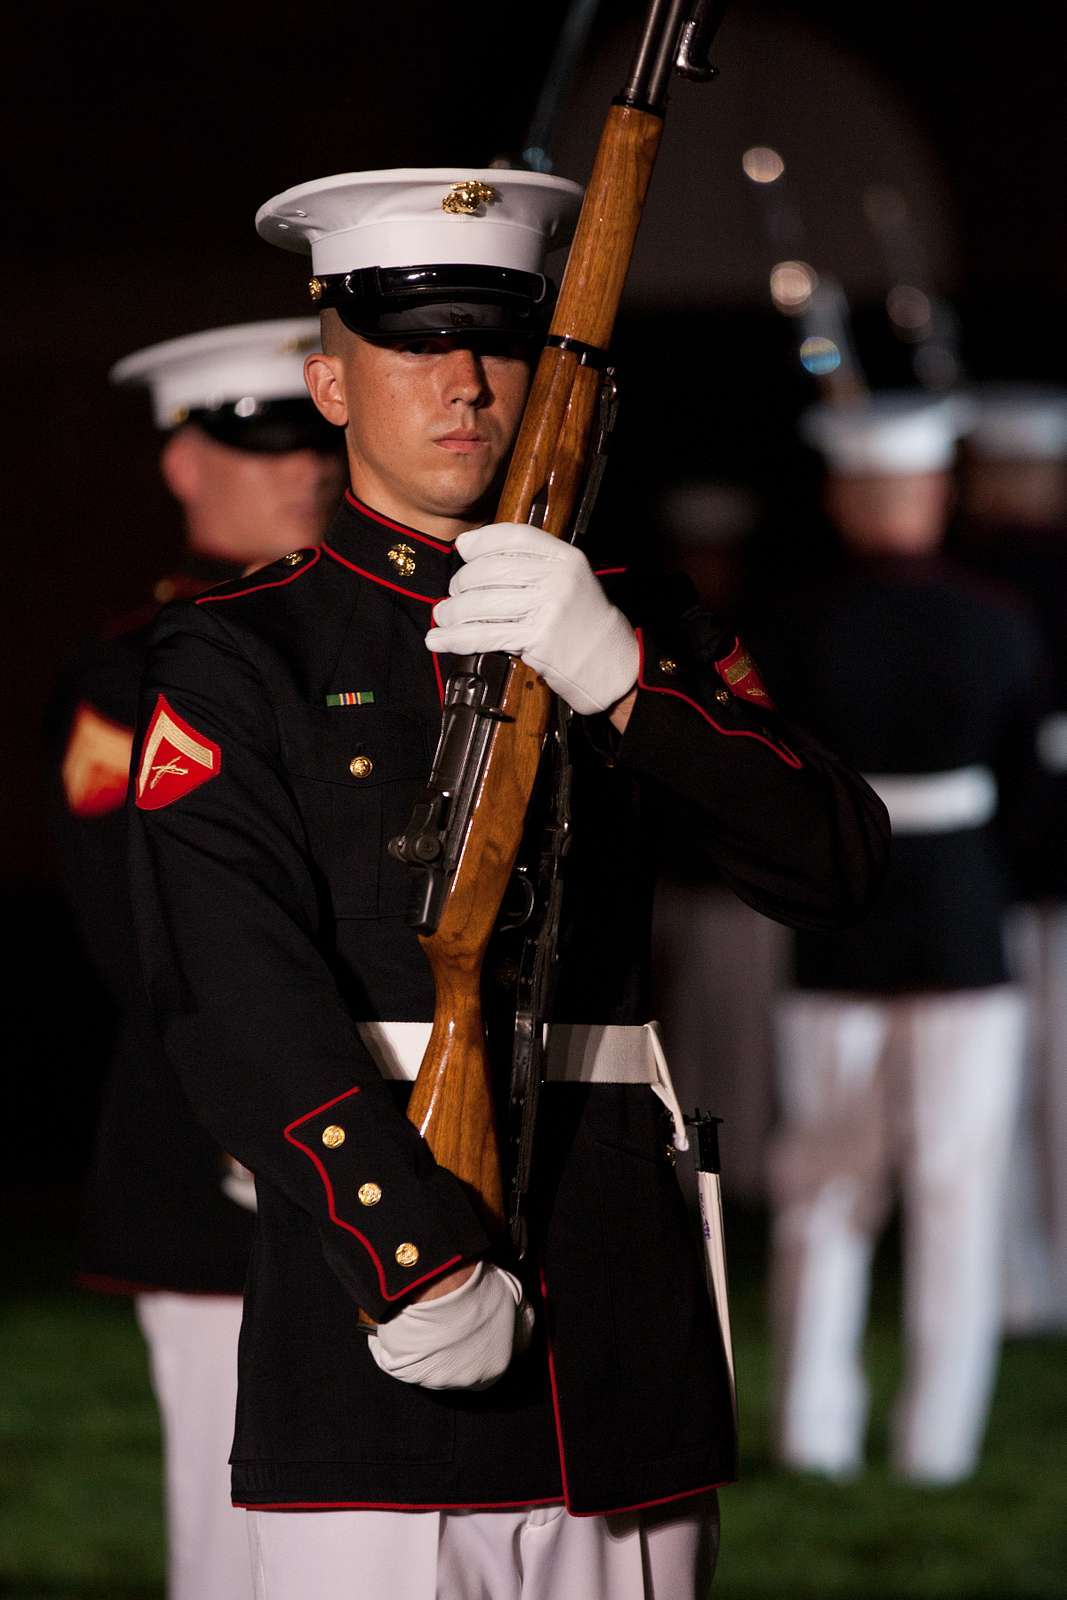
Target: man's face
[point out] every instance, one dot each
(429, 423)
(251, 507)
(901, 514)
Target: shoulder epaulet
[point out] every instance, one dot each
(275, 576)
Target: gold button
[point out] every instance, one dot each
(369, 1194)
(403, 558)
(407, 1255)
(333, 1136)
(361, 766)
(294, 559)
(316, 289)
(723, 696)
(667, 665)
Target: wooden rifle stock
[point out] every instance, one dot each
(452, 1101)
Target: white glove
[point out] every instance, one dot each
(461, 1340)
(523, 591)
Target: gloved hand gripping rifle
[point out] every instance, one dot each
(466, 832)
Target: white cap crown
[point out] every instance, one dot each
(414, 216)
(253, 361)
(909, 431)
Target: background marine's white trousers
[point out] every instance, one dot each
(192, 1344)
(925, 1086)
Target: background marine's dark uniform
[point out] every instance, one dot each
(900, 1046)
(157, 1209)
(272, 920)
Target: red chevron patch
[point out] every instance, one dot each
(175, 759)
(739, 673)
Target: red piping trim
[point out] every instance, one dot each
(437, 674)
(782, 751)
(467, 1505)
(646, 1505)
(429, 599)
(398, 527)
(280, 583)
(339, 1221)
(100, 1283)
(609, 1511)
(392, 1505)
(555, 1397)
(608, 572)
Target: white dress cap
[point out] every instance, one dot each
(1020, 422)
(892, 433)
(421, 216)
(253, 362)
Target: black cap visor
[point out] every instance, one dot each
(274, 427)
(396, 302)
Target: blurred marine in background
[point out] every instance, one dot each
(900, 1046)
(1014, 528)
(167, 1215)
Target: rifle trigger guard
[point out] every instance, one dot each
(520, 915)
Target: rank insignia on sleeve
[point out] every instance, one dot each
(175, 759)
(739, 673)
(96, 763)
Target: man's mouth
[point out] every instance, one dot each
(462, 441)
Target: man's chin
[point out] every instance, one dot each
(462, 499)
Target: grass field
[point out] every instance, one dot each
(80, 1504)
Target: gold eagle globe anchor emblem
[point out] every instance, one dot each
(463, 199)
(403, 558)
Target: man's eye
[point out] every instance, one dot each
(418, 347)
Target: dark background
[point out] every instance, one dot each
(144, 138)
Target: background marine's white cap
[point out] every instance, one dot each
(1020, 422)
(891, 433)
(241, 367)
(414, 216)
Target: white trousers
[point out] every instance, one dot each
(924, 1087)
(536, 1553)
(192, 1343)
(1035, 1246)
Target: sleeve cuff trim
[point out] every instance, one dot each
(339, 1222)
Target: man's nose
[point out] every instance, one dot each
(465, 378)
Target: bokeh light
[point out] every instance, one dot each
(762, 164)
(792, 285)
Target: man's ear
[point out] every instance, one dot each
(181, 466)
(325, 379)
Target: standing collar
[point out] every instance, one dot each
(390, 553)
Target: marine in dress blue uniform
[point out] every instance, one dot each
(287, 726)
(167, 1216)
(900, 1044)
(1014, 529)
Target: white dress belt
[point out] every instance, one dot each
(1052, 742)
(937, 802)
(575, 1052)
